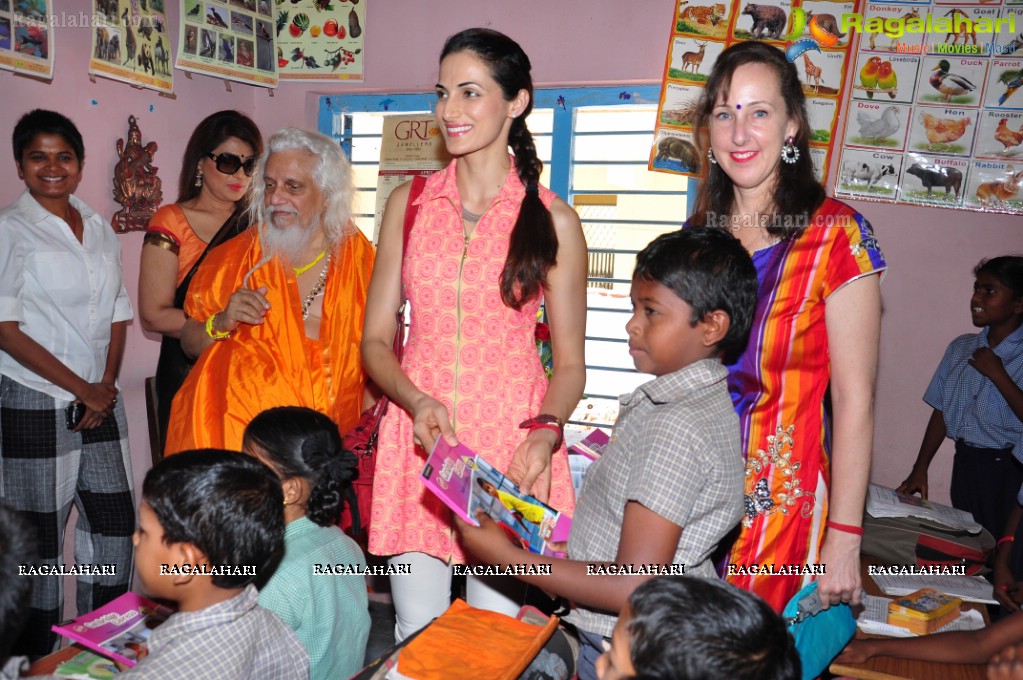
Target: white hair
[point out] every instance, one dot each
(332, 174)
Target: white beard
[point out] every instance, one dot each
(290, 244)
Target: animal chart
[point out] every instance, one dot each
(320, 40)
(702, 29)
(232, 39)
(131, 43)
(935, 117)
(26, 36)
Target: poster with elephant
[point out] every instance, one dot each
(131, 43)
(934, 96)
(320, 40)
(702, 29)
(26, 36)
(230, 39)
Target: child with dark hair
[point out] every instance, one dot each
(210, 521)
(16, 549)
(677, 628)
(329, 612)
(978, 402)
(668, 488)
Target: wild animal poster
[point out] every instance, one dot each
(321, 40)
(232, 39)
(935, 116)
(131, 43)
(26, 36)
(809, 33)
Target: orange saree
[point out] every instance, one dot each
(273, 363)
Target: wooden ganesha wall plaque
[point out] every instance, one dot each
(137, 186)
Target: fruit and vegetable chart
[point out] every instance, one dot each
(935, 113)
(233, 39)
(808, 32)
(320, 40)
(26, 42)
(131, 43)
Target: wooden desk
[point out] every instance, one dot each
(888, 668)
(48, 664)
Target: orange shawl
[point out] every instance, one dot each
(273, 363)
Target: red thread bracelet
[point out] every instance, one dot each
(546, 421)
(1005, 539)
(548, 426)
(847, 528)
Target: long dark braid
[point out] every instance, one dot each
(533, 246)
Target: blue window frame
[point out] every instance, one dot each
(595, 144)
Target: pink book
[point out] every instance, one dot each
(465, 482)
(592, 445)
(119, 629)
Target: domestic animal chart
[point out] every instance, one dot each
(131, 43)
(26, 41)
(702, 29)
(935, 104)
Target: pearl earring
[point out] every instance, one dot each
(789, 152)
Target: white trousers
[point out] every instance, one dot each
(425, 593)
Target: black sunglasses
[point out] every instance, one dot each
(228, 163)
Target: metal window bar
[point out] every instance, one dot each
(336, 118)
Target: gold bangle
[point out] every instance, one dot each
(214, 334)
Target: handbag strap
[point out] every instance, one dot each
(227, 231)
(411, 211)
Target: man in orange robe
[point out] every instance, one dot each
(275, 315)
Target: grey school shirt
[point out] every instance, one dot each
(675, 449)
(234, 640)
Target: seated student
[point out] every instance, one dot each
(677, 628)
(223, 510)
(669, 486)
(16, 549)
(328, 612)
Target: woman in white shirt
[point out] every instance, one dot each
(63, 318)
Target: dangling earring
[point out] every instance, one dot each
(710, 156)
(198, 178)
(790, 152)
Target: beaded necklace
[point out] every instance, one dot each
(317, 289)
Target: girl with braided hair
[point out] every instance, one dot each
(488, 244)
(330, 613)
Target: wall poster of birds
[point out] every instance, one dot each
(701, 29)
(131, 43)
(229, 39)
(935, 116)
(26, 41)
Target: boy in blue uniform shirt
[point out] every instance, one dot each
(670, 485)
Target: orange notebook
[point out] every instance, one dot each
(465, 643)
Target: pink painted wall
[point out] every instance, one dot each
(931, 251)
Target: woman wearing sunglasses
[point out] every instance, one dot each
(214, 184)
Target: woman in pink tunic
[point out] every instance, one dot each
(487, 244)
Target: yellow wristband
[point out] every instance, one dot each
(212, 333)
